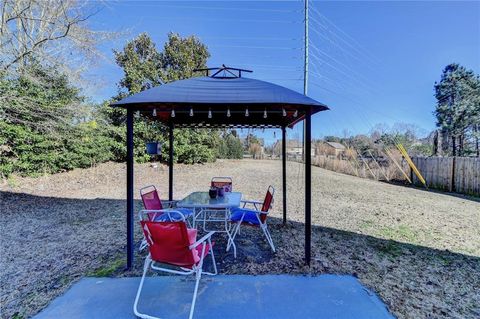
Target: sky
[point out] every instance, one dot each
(371, 62)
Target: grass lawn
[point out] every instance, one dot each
(419, 250)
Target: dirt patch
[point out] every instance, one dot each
(419, 250)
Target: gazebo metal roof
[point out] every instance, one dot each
(224, 99)
(220, 101)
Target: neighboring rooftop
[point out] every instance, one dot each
(336, 145)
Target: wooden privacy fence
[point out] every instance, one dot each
(454, 174)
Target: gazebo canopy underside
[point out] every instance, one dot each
(214, 116)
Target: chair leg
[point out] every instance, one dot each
(198, 275)
(268, 237)
(236, 230)
(148, 261)
(213, 258)
(195, 291)
(143, 245)
(213, 261)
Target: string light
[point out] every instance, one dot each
(265, 114)
(246, 112)
(228, 112)
(284, 113)
(209, 113)
(173, 113)
(191, 111)
(154, 113)
(295, 114)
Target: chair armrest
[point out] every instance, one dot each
(251, 202)
(146, 211)
(201, 240)
(167, 211)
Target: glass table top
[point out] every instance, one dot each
(202, 199)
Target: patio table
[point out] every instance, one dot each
(214, 210)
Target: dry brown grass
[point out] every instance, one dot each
(418, 250)
(362, 167)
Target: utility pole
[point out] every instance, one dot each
(307, 140)
(305, 65)
(305, 69)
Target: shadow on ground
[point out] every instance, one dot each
(473, 198)
(48, 243)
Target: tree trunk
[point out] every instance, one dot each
(438, 143)
(460, 144)
(454, 145)
(477, 140)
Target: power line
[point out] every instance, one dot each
(356, 45)
(227, 20)
(272, 67)
(253, 47)
(341, 71)
(336, 44)
(160, 4)
(338, 62)
(249, 38)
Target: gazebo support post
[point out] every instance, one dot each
(170, 162)
(130, 200)
(284, 174)
(308, 185)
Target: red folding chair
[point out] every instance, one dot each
(154, 207)
(172, 243)
(220, 181)
(254, 217)
(151, 200)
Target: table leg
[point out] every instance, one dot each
(228, 228)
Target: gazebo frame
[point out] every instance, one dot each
(285, 109)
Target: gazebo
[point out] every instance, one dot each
(221, 99)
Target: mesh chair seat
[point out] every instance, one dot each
(151, 201)
(254, 217)
(249, 216)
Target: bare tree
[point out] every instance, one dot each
(54, 32)
(42, 41)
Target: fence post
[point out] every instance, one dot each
(452, 185)
(411, 170)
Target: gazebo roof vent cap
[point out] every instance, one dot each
(223, 72)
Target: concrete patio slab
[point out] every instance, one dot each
(222, 296)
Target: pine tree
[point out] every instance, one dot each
(458, 107)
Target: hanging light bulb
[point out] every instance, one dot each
(228, 112)
(284, 113)
(295, 114)
(209, 113)
(173, 113)
(154, 113)
(246, 112)
(265, 114)
(191, 111)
